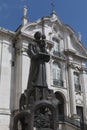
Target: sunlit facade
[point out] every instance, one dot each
(66, 70)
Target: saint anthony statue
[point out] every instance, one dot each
(39, 56)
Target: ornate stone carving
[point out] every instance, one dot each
(79, 68)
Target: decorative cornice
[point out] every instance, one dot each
(79, 101)
(78, 68)
(6, 31)
(58, 57)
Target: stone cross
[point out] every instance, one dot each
(53, 6)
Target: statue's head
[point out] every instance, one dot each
(37, 35)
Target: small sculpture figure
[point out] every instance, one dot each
(22, 105)
(38, 55)
(24, 11)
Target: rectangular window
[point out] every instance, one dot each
(57, 78)
(77, 82)
(80, 112)
(56, 74)
(56, 48)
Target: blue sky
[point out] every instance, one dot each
(71, 12)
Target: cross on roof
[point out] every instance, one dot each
(53, 6)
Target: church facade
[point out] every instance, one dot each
(66, 70)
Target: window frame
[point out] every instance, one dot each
(77, 81)
(56, 48)
(57, 74)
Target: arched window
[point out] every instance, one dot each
(56, 48)
(57, 77)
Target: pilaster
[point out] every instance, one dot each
(17, 74)
(5, 80)
(84, 90)
(72, 92)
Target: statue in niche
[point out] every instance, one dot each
(38, 55)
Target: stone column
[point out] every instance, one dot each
(84, 90)
(17, 84)
(72, 92)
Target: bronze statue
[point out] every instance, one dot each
(38, 55)
(38, 104)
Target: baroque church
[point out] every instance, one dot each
(66, 71)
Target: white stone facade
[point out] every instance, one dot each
(68, 80)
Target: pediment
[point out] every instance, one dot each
(49, 23)
(52, 26)
(31, 28)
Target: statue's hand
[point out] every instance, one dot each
(32, 51)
